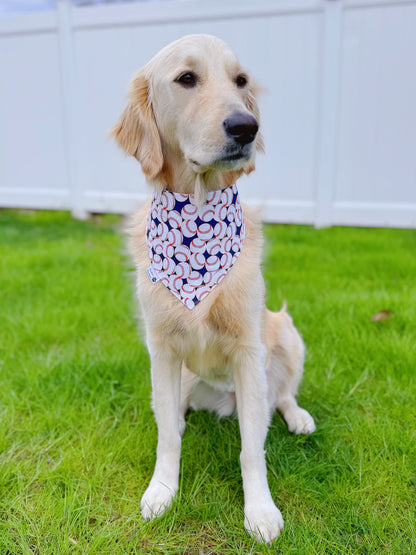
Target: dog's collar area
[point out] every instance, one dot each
(192, 248)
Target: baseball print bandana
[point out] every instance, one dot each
(192, 248)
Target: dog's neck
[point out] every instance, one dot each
(178, 176)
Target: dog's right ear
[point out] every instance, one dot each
(136, 130)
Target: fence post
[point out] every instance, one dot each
(69, 100)
(328, 110)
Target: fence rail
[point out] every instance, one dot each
(338, 114)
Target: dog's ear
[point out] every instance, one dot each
(136, 130)
(252, 106)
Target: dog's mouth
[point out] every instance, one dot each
(227, 159)
(232, 157)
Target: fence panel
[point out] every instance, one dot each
(376, 177)
(33, 170)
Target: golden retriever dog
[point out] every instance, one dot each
(192, 122)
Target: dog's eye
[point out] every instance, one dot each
(241, 81)
(187, 80)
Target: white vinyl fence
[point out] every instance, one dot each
(338, 112)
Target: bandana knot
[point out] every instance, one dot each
(192, 248)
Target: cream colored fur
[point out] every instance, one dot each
(229, 351)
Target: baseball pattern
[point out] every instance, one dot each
(191, 249)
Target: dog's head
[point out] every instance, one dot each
(191, 110)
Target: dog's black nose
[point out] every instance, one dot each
(242, 128)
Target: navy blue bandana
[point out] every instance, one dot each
(192, 248)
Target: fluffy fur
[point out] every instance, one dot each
(229, 351)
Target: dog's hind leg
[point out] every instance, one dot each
(284, 365)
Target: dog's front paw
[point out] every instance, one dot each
(299, 421)
(156, 499)
(263, 522)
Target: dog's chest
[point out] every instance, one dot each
(209, 360)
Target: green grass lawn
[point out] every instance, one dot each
(77, 435)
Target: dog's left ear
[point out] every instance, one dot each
(252, 106)
(136, 130)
